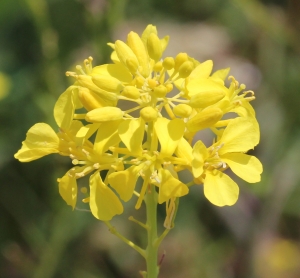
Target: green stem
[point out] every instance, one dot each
(152, 248)
(113, 230)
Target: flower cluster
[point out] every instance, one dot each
(138, 118)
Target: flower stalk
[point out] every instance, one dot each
(152, 247)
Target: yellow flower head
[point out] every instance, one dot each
(168, 101)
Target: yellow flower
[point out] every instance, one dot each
(151, 138)
(208, 164)
(40, 140)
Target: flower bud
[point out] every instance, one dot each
(206, 118)
(152, 83)
(89, 99)
(169, 87)
(185, 69)
(160, 91)
(180, 59)
(104, 114)
(139, 81)
(126, 56)
(169, 63)
(154, 47)
(110, 99)
(138, 48)
(206, 98)
(158, 66)
(131, 92)
(132, 65)
(148, 114)
(183, 110)
(107, 83)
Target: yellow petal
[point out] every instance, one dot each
(85, 132)
(64, 109)
(184, 150)
(203, 70)
(245, 166)
(68, 189)
(107, 136)
(104, 203)
(240, 135)
(124, 182)
(169, 133)
(40, 140)
(118, 71)
(170, 187)
(131, 133)
(245, 109)
(200, 153)
(205, 98)
(164, 42)
(197, 86)
(220, 189)
(219, 76)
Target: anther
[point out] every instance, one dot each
(96, 165)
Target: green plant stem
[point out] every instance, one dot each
(152, 248)
(113, 230)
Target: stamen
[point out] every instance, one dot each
(96, 166)
(71, 73)
(85, 152)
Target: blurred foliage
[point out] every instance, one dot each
(41, 237)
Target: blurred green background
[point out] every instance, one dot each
(40, 237)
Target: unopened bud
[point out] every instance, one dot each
(158, 66)
(89, 99)
(136, 44)
(104, 114)
(183, 110)
(154, 47)
(107, 83)
(148, 114)
(139, 81)
(206, 118)
(180, 59)
(160, 91)
(152, 83)
(169, 63)
(126, 56)
(185, 69)
(132, 65)
(131, 92)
